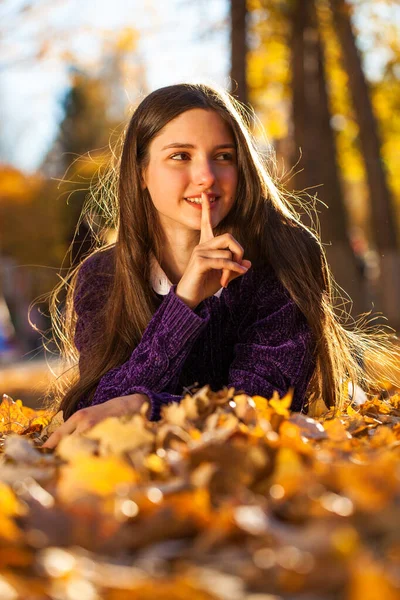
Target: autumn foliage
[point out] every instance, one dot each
(227, 497)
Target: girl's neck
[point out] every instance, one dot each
(175, 259)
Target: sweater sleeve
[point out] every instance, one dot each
(274, 349)
(169, 335)
(159, 357)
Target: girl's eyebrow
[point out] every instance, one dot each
(181, 145)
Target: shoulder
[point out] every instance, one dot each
(99, 263)
(94, 275)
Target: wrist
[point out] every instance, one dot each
(133, 402)
(184, 299)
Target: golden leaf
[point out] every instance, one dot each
(282, 405)
(12, 419)
(154, 463)
(10, 507)
(317, 409)
(262, 407)
(289, 471)
(336, 430)
(93, 475)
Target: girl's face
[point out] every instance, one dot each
(194, 152)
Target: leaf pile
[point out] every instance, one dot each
(228, 497)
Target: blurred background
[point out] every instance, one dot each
(323, 77)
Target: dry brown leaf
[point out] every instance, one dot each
(72, 448)
(56, 421)
(21, 450)
(116, 436)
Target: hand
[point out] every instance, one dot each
(86, 418)
(202, 277)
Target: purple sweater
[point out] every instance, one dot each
(253, 338)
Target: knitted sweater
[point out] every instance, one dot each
(250, 336)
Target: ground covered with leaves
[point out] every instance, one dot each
(228, 497)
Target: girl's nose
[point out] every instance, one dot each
(203, 174)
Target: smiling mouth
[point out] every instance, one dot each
(199, 201)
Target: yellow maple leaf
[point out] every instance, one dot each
(262, 407)
(282, 405)
(17, 418)
(93, 475)
(12, 419)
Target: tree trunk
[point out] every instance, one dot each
(239, 50)
(382, 205)
(313, 134)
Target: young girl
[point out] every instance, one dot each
(213, 278)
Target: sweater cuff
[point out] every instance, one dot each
(157, 400)
(183, 322)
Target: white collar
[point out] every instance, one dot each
(159, 280)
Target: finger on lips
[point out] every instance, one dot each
(206, 232)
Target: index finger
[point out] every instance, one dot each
(206, 232)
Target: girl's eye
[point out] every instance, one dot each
(224, 156)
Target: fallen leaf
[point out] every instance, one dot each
(21, 450)
(93, 475)
(116, 436)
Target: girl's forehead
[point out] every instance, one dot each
(195, 123)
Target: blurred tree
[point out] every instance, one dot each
(30, 228)
(271, 93)
(344, 124)
(381, 200)
(314, 135)
(268, 72)
(95, 111)
(31, 248)
(239, 49)
(84, 135)
(37, 225)
(287, 87)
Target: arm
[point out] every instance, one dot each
(157, 359)
(274, 350)
(160, 355)
(275, 346)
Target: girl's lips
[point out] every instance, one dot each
(198, 206)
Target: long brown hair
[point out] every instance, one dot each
(263, 219)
